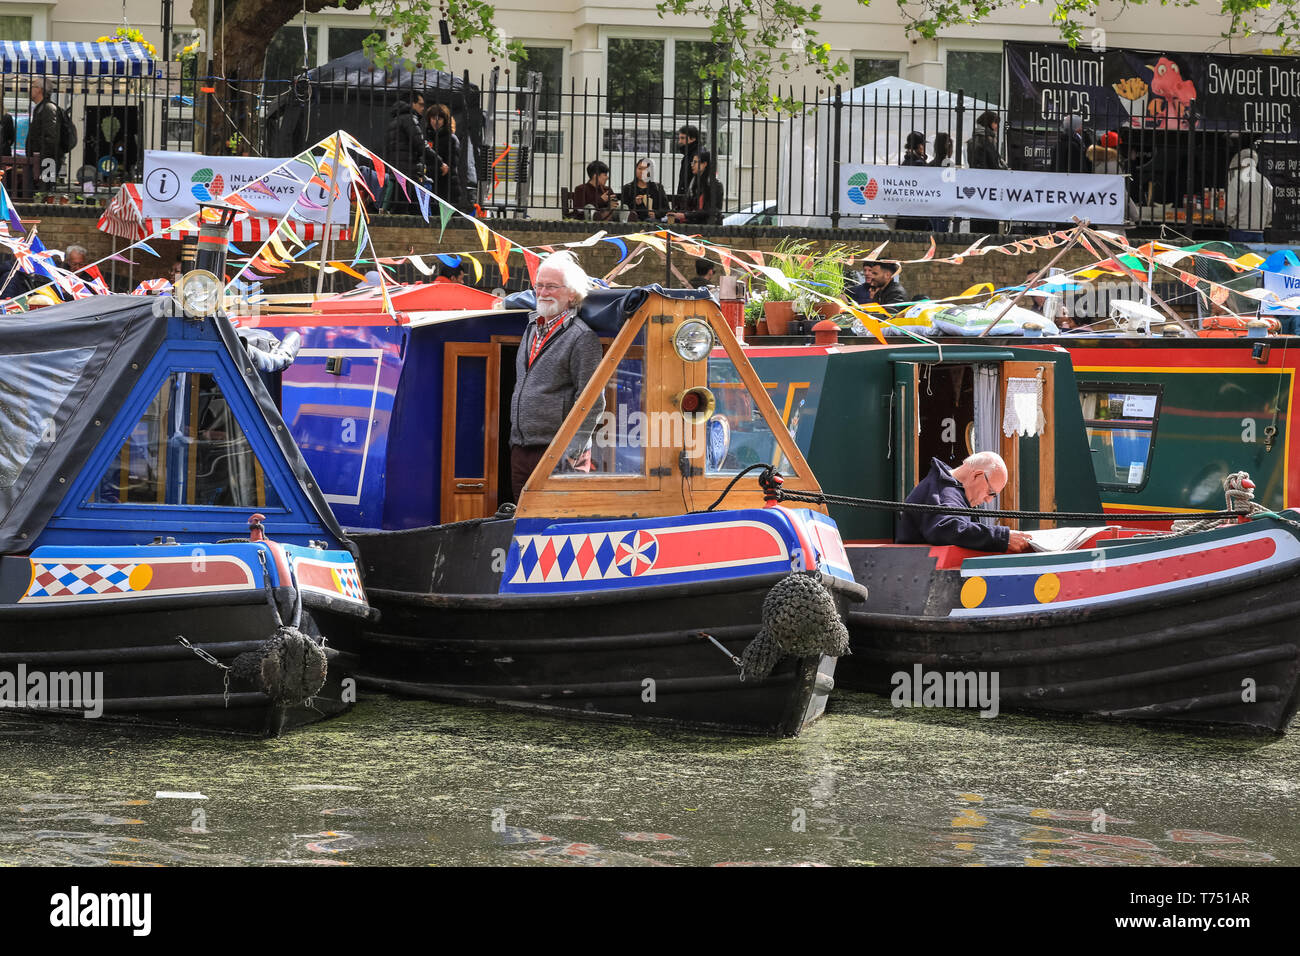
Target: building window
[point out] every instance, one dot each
(636, 75)
(977, 72)
(691, 93)
(15, 28)
(284, 56)
(341, 41)
(548, 61)
(868, 69)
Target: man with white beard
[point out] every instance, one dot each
(557, 356)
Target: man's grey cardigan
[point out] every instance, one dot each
(546, 392)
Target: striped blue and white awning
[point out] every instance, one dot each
(50, 57)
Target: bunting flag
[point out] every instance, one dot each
(147, 248)
(483, 233)
(445, 212)
(344, 267)
(533, 262)
(423, 198)
(478, 267)
(502, 256)
(930, 252)
(420, 264)
(622, 247)
(380, 170)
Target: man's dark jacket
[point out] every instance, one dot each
(43, 134)
(890, 294)
(405, 145)
(1071, 154)
(982, 150)
(940, 488)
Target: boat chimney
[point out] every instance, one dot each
(214, 237)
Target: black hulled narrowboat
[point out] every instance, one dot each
(1197, 628)
(619, 592)
(165, 555)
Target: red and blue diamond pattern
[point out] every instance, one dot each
(568, 557)
(63, 580)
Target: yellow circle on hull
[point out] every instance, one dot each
(1047, 587)
(973, 592)
(140, 577)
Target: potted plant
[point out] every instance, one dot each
(779, 300)
(753, 314)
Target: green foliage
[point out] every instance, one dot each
(768, 40)
(787, 258)
(415, 23)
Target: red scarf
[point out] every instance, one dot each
(544, 334)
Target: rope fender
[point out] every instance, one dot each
(289, 667)
(799, 620)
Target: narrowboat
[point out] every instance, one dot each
(616, 593)
(1194, 629)
(166, 557)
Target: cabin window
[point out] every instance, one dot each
(615, 442)
(736, 435)
(32, 389)
(1120, 421)
(187, 449)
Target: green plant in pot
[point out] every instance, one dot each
(779, 300)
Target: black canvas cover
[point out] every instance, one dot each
(65, 373)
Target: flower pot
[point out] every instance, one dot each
(828, 310)
(761, 327)
(779, 315)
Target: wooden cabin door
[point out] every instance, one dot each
(1045, 472)
(470, 377)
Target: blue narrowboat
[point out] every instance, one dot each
(651, 588)
(164, 549)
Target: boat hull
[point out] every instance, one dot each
(632, 654)
(148, 677)
(1219, 653)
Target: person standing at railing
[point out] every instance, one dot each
(443, 139)
(688, 139)
(982, 153)
(643, 196)
(43, 134)
(943, 159)
(1249, 203)
(704, 197)
(914, 153)
(1071, 151)
(405, 143)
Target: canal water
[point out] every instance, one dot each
(416, 783)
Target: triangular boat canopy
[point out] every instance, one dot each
(65, 374)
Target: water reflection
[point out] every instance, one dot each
(414, 783)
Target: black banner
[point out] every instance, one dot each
(1148, 89)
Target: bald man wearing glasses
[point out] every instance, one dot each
(978, 479)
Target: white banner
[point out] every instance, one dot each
(175, 183)
(1281, 275)
(1014, 195)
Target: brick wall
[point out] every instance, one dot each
(59, 226)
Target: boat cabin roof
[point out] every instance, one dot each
(114, 385)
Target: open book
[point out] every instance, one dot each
(1061, 539)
